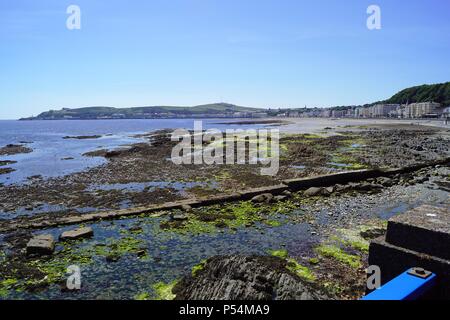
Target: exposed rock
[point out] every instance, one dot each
(186, 208)
(12, 149)
(280, 198)
(6, 162)
(329, 190)
(265, 197)
(178, 217)
(83, 137)
(313, 191)
(287, 193)
(43, 244)
(385, 182)
(79, 233)
(6, 170)
(372, 233)
(245, 278)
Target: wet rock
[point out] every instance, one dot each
(385, 182)
(12, 149)
(280, 198)
(79, 233)
(43, 244)
(329, 190)
(245, 278)
(6, 170)
(112, 258)
(186, 208)
(178, 217)
(365, 186)
(265, 197)
(313, 191)
(83, 137)
(6, 162)
(287, 193)
(372, 233)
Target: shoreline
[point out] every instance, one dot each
(173, 217)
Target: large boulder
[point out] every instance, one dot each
(43, 244)
(245, 278)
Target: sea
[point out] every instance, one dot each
(54, 156)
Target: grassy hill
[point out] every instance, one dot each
(141, 112)
(434, 92)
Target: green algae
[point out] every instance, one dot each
(332, 251)
(283, 254)
(273, 223)
(163, 290)
(116, 248)
(198, 267)
(142, 296)
(302, 271)
(293, 266)
(7, 285)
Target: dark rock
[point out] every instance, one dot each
(43, 244)
(385, 182)
(287, 193)
(372, 233)
(83, 137)
(245, 278)
(6, 170)
(12, 149)
(280, 198)
(260, 198)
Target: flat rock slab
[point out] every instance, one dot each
(425, 229)
(43, 244)
(79, 233)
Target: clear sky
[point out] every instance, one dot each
(260, 53)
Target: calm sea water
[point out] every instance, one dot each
(49, 147)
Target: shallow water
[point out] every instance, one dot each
(49, 147)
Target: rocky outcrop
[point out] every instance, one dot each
(12, 149)
(245, 278)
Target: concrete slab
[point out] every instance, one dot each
(394, 260)
(79, 233)
(425, 229)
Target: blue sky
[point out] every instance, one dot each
(260, 53)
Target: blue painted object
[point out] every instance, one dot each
(403, 287)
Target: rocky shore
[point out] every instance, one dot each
(295, 244)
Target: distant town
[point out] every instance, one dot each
(426, 101)
(397, 111)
